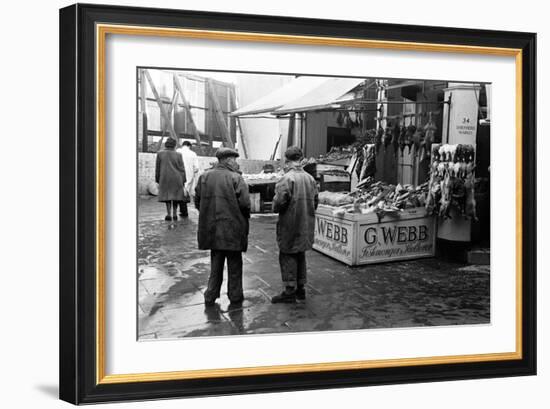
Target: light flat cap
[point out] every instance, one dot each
(294, 153)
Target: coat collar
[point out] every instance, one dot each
(227, 167)
(293, 166)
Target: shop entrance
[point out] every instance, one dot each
(338, 137)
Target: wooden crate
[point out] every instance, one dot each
(335, 183)
(357, 239)
(255, 203)
(266, 206)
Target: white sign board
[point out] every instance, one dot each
(334, 237)
(395, 240)
(363, 239)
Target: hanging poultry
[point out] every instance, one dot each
(369, 163)
(418, 141)
(388, 132)
(411, 129)
(429, 131)
(446, 196)
(378, 138)
(470, 209)
(402, 138)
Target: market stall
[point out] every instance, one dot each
(261, 187)
(375, 223)
(394, 161)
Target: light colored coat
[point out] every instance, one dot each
(191, 163)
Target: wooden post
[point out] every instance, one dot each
(171, 115)
(143, 104)
(187, 107)
(291, 127)
(245, 151)
(276, 147)
(218, 115)
(238, 125)
(162, 108)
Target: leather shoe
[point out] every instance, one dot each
(285, 298)
(300, 293)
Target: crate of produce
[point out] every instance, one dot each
(359, 239)
(376, 223)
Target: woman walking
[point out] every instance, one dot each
(170, 175)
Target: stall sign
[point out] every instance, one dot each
(334, 237)
(395, 240)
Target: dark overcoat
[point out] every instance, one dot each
(222, 198)
(296, 198)
(170, 175)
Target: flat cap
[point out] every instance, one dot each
(170, 143)
(294, 153)
(222, 153)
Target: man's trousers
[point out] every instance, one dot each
(234, 275)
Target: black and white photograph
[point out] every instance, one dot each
(284, 203)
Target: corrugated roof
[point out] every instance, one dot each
(322, 96)
(281, 96)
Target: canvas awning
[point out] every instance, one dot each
(323, 96)
(280, 96)
(301, 95)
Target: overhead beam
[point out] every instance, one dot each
(218, 115)
(187, 107)
(170, 114)
(162, 108)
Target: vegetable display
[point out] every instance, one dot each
(262, 176)
(380, 198)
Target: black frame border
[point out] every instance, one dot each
(78, 197)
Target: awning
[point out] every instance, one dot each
(322, 96)
(301, 95)
(281, 96)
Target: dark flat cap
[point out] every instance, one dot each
(222, 153)
(170, 143)
(293, 153)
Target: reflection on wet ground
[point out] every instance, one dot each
(172, 275)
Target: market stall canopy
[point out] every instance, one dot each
(301, 95)
(281, 96)
(325, 95)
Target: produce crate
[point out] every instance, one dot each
(266, 207)
(359, 239)
(255, 203)
(335, 183)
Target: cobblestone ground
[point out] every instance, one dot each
(172, 275)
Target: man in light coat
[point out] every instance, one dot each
(191, 163)
(222, 198)
(296, 198)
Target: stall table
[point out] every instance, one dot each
(358, 239)
(262, 192)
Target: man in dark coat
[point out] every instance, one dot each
(221, 196)
(295, 200)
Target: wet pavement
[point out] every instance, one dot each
(172, 276)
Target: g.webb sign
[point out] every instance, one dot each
(396, 240)
(361, 239)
